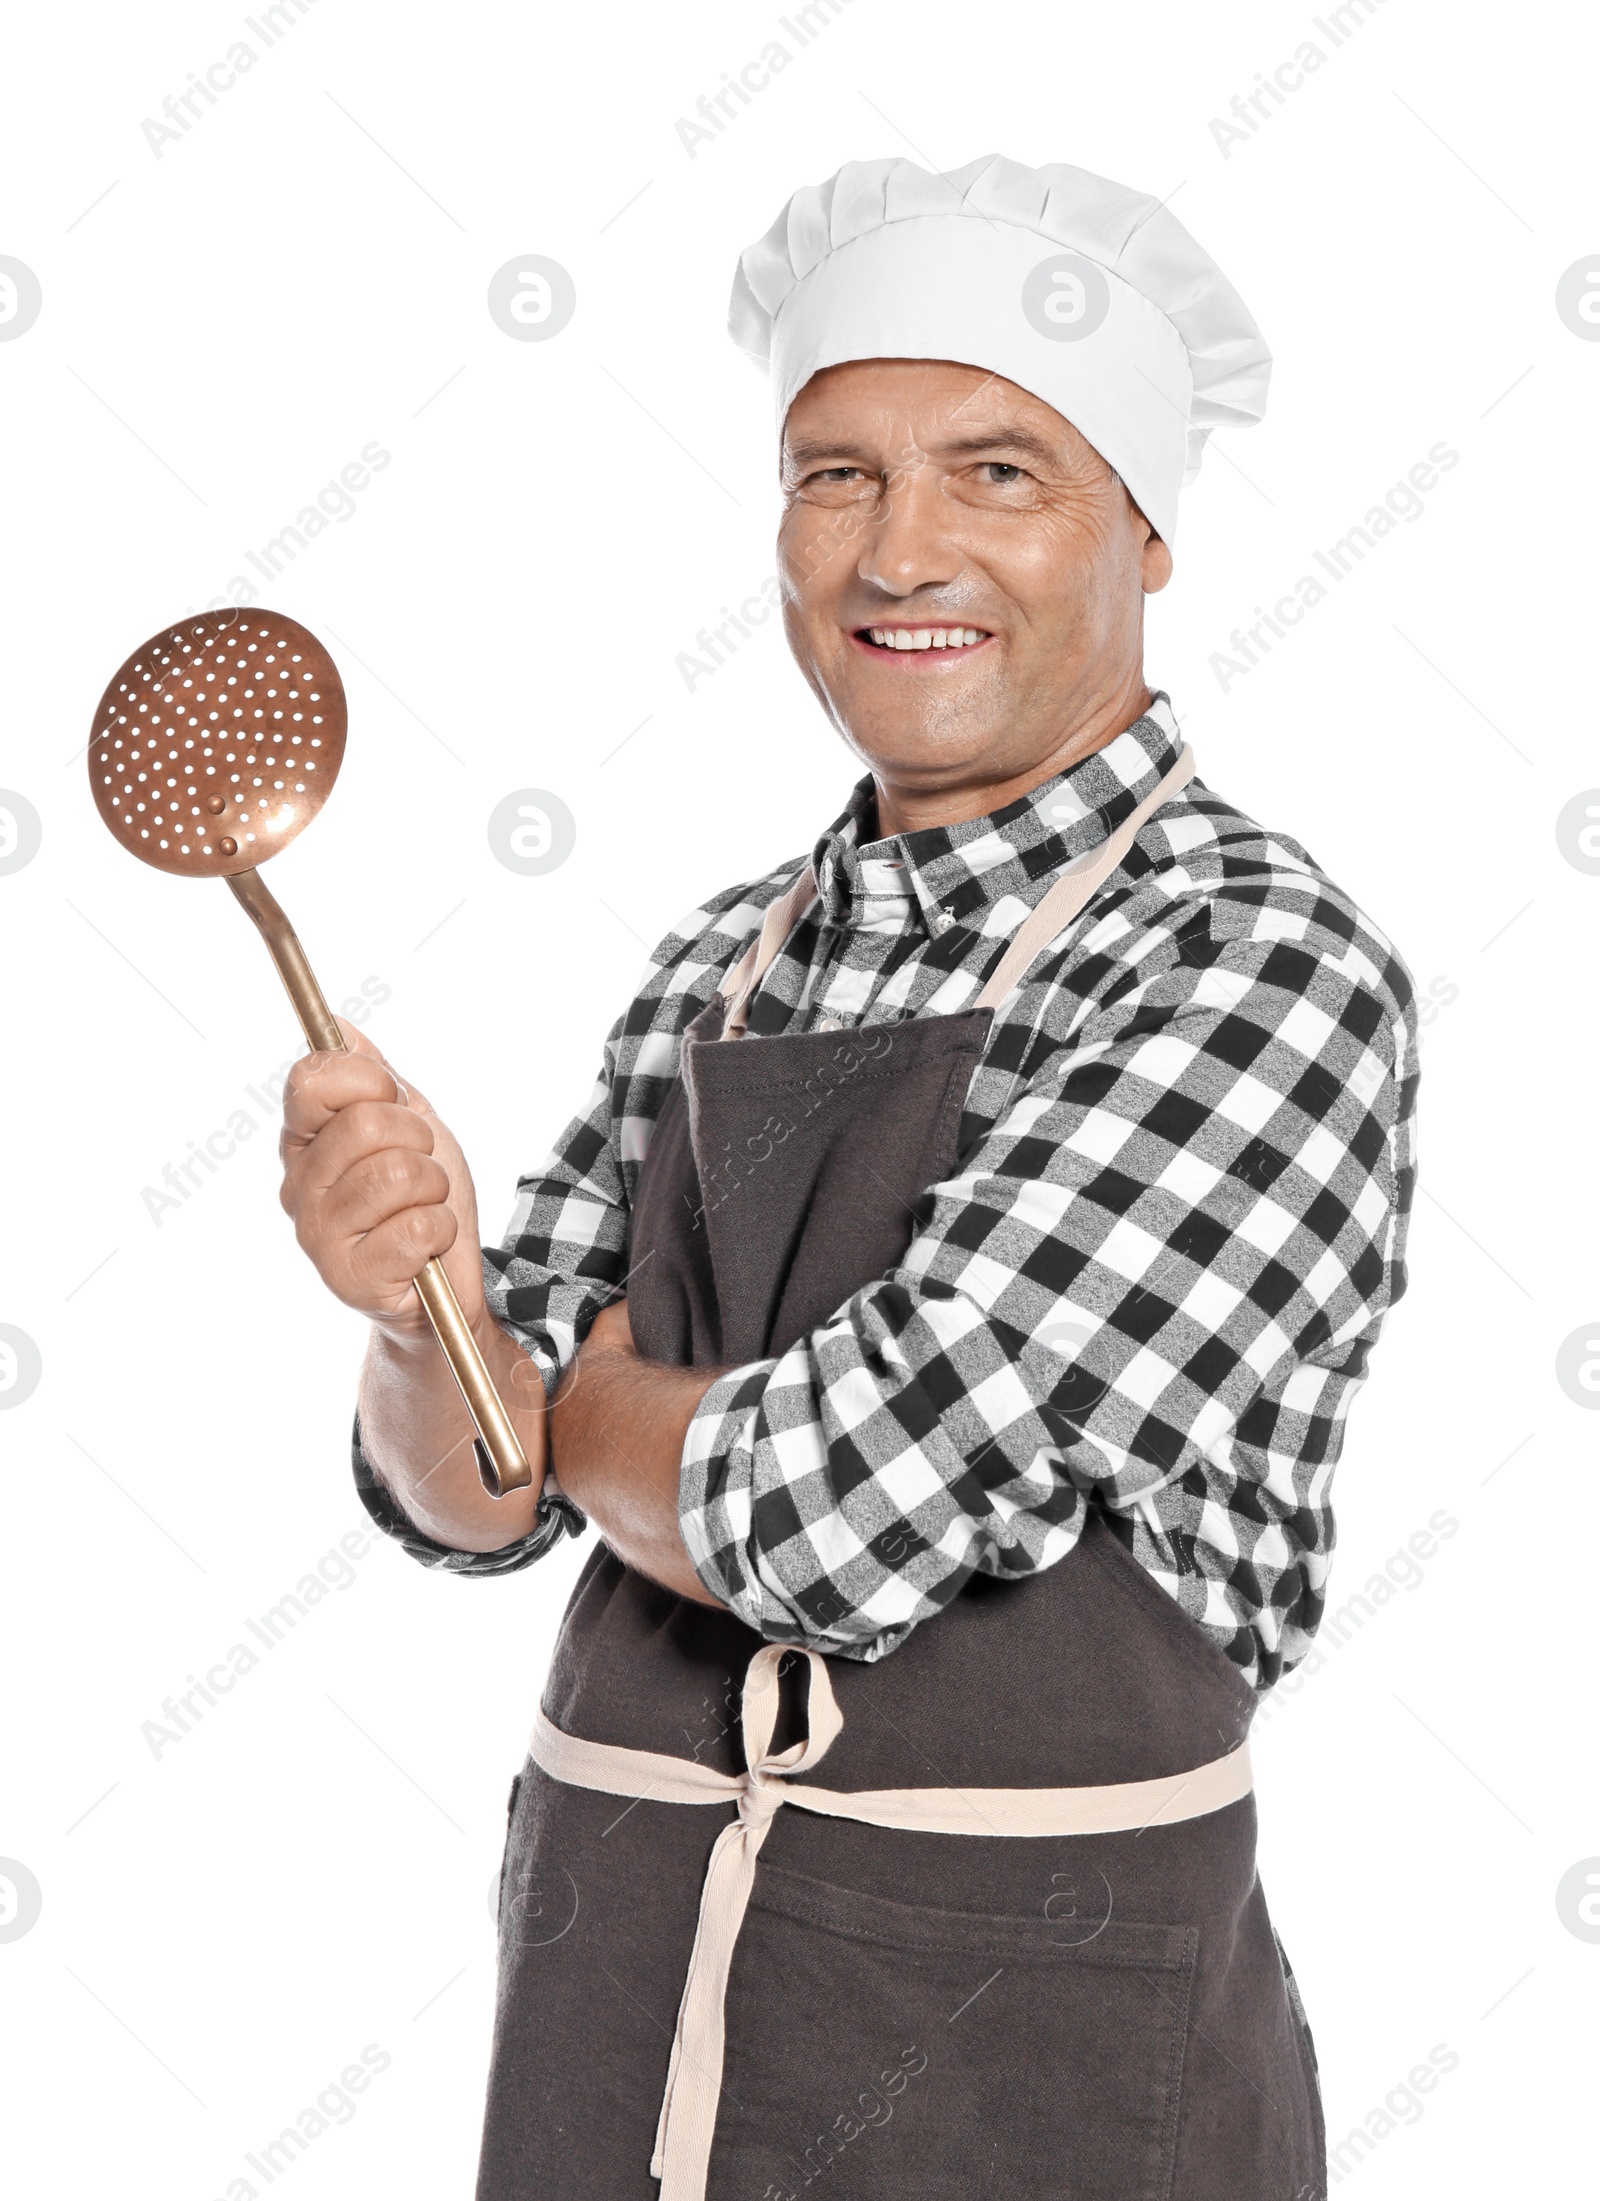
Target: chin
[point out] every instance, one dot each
(936, 749)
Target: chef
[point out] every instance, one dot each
(945, 1307)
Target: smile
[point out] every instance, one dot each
(921, 638)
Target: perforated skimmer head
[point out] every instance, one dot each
(217, 742)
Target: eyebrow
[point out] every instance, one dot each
(810, 452)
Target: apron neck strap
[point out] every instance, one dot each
(1063, 902)
(1075, 888)
(738, 988)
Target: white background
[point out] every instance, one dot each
(304, 272)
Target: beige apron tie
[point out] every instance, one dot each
(1063, 901)
(688, 2119)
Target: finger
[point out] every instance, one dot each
(397, 1251)
(366, 1127)
(358, 1043)
(375, 1188)
(319, 1085)
(322, 1073)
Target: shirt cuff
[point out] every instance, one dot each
(557, 1517)
(778, 1588)
(714, 1495)
(550, 1342)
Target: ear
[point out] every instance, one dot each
(1155, 564)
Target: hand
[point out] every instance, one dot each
(377, 1186)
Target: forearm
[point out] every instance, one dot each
(617, 1432)
(417, 1434)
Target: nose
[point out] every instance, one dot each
(908, 545)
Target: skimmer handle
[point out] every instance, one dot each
(502, 1464)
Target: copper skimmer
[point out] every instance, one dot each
(213, 746)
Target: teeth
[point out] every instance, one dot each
(926, 638)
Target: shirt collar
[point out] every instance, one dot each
(951, 871)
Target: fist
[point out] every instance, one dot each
(376, 1186)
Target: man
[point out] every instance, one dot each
(960, 1274)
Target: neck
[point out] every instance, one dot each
(910, 806)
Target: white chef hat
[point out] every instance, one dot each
(1088, 294)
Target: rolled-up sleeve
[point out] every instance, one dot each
(1151, 1286)
(565, 1249)
(563, 1254)
(557, 1517)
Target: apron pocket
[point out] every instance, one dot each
(908, 2050)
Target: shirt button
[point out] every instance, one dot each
(829, 1024)
(942, 920)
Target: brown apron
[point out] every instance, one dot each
(1017, 1941)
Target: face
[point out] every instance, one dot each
(963, 579)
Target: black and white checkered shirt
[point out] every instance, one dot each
(1152, 1284)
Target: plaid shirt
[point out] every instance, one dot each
(1152, 1285)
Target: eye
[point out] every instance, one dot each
(999, 473)
(837, 473)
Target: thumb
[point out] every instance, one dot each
(357, 1043)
